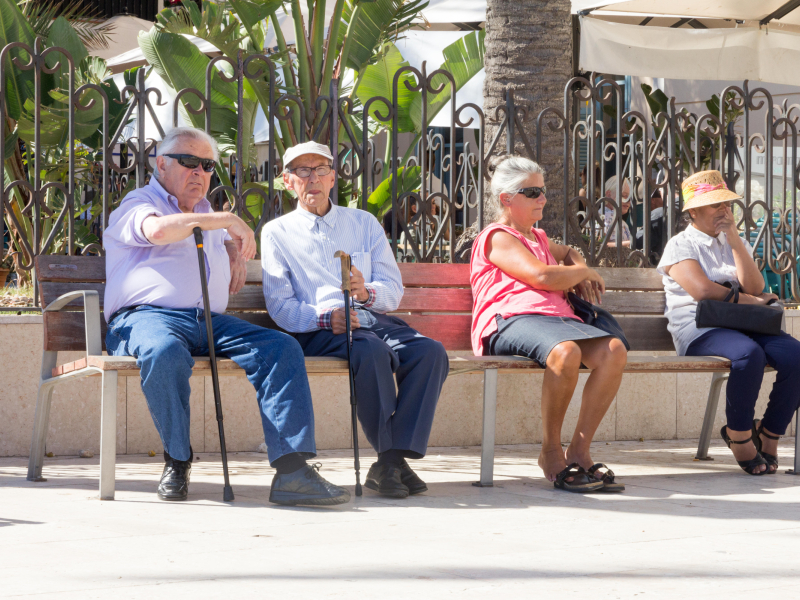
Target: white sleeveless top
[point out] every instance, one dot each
(716, 259)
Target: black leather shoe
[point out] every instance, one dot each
(411, 480)
(175, 480)
(306, 487)
(386, 480)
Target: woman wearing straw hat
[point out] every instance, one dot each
(695, 264)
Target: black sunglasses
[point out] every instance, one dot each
(533, 192)
(190, 161)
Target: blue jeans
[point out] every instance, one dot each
(749, 354)
(164, 342)
(384, 347)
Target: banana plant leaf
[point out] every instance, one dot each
(464, 59)
(380, 201)
(181, 65)
(375, 24)
(377, 80)
(18, 83)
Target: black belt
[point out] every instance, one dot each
(123, 310)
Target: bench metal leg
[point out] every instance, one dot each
(108, 435)
(42, 418)
(711, 412)
(796, 469)
(489, 417)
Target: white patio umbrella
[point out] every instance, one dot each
(697, 39)
(123, 37)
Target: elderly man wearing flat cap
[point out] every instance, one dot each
(302, 286)
(154, 308)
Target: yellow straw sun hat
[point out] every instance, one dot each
(705, 188)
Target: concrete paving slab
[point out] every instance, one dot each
(682, 529)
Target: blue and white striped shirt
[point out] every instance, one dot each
(303, 280)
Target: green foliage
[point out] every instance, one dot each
(69, 31)
(380, 201)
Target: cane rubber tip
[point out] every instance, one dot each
(227, 494)
(358, 489)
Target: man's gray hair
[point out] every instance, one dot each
(509, 175)
(173, 138)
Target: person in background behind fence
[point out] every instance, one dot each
(302, 288)
(609, 212)
(696, 262)
(154, 308)
(520, 308)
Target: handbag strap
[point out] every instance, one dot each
(734, 293)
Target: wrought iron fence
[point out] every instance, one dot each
(68, 205)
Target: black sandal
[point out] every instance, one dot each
(609, 484)
(747, 465)
(771, 459)
(581, 483)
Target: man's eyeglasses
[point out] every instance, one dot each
(533, 192)
(305, 172)
(190, 161)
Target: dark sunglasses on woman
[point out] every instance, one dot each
(533, 192)
(190, 161)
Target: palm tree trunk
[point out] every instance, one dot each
(529, 49)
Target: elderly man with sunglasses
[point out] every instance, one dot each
(302, 286)
(154, 308)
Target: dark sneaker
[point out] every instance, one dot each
(175, 480)
(306, 487)
(411, 480)
(386, 480)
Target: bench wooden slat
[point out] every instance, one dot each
(126, 365)
(446, 300)
(55, 267)
(452, 330)
(446, 275)
(434, 275)
(646, 333)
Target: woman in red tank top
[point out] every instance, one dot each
(519, 282)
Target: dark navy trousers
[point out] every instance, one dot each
(749, 354)
(385, 348)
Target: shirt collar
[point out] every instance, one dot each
(202, 206)
(310, 219)
(703, 238)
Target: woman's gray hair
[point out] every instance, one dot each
(173, 137)
(611, 187)
(509, 174)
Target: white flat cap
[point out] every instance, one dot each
(306, 148)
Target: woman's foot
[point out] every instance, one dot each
(768, 445)
(551, 462)
(583, 458)
(743, 453)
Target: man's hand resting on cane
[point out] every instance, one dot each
(338, 324)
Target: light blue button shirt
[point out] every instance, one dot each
(301, 276)
(140, 272)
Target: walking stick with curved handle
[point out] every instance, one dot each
(346, 263)
(227, 491)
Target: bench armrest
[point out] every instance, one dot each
(91, 316)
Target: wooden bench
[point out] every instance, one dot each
(437, 302)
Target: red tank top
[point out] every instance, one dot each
(495, 292)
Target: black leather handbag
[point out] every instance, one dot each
(747, 318)
(595, 316)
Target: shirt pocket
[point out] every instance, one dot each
(363, 262)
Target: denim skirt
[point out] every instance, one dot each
(535, 336)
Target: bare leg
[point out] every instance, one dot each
(607, 358)
(560, 379)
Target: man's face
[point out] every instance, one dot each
(312, 191)
(189, 186)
